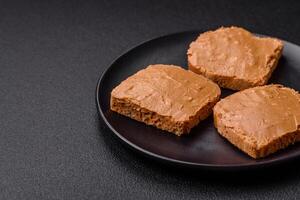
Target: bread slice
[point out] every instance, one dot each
(234, 58)
(260, 120)
(167, 97)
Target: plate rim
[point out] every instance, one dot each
(261, 164)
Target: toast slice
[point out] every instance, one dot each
(234, 58)
(260, 120)
(167, 97)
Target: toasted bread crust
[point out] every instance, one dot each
(249, 146)
(129, 109)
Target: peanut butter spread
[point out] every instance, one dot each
(261, 114)
(168, 90)
(234, 52)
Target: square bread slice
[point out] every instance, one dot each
(234, 58)
(260, 120)
(167, 97)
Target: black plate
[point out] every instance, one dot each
(203, 147)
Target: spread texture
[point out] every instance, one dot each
(234, 58)
(260, 116)
(170, 92)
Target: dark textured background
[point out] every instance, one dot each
(52, 143)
